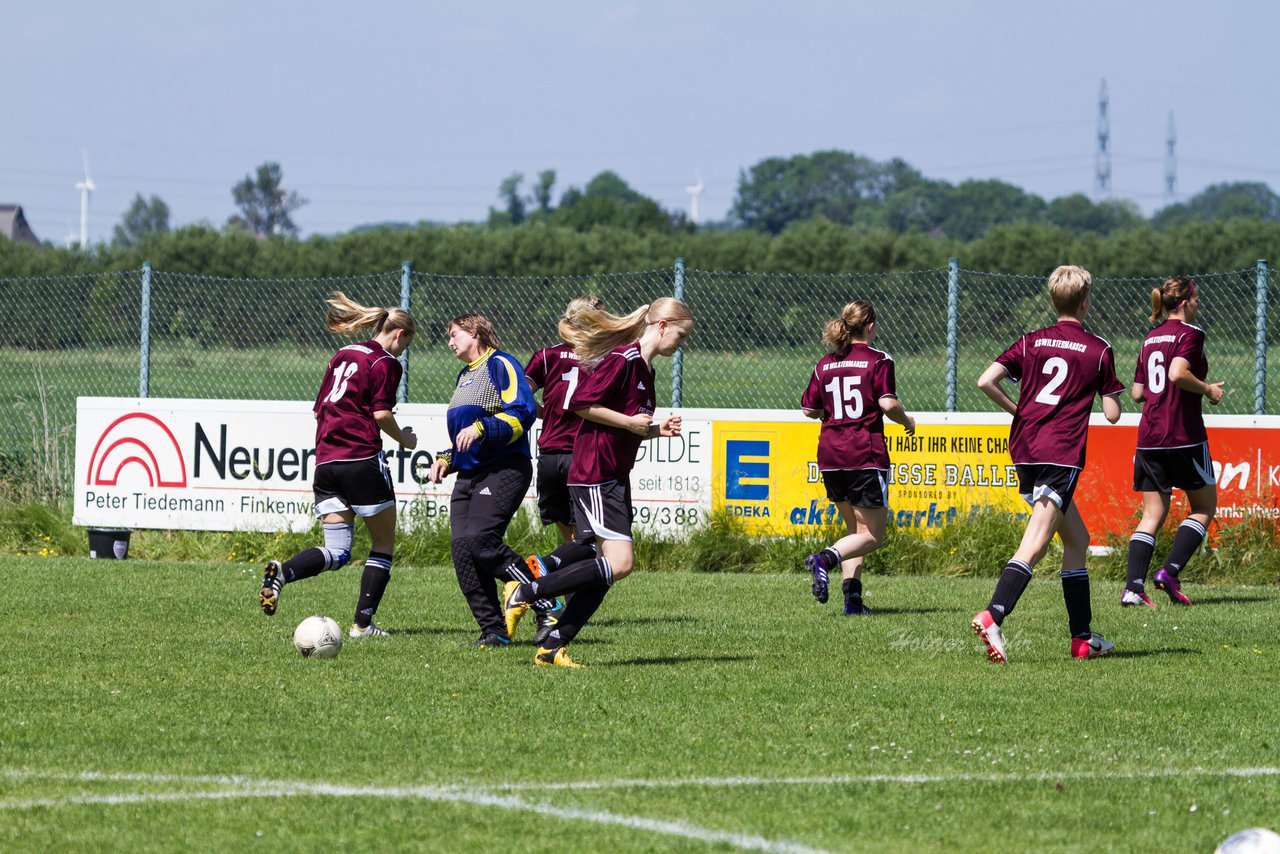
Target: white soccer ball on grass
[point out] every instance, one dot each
(1255, 840)
(318, 637)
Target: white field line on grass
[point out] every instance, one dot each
(244, 787)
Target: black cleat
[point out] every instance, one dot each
(272, 584)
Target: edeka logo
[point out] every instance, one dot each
(142, 440)
(737, 470)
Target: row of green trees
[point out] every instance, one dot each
(773, 195)
(544, 249)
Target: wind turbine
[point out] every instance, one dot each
(85, 187)
(695, 193)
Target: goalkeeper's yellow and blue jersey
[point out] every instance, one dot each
(491, 392)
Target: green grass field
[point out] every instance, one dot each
(150, 706)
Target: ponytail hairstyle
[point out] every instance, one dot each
(576, 304)
(1173, 293)
(348, 317)
(478, 326)
(852, 323)
(593, 332)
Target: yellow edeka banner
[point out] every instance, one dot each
(767, 474)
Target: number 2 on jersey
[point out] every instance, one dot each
(1057, 366)
(846, 400)
(341, 375)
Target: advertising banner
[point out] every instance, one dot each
(766, 472)
(248, 465)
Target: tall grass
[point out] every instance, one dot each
(1244, 553)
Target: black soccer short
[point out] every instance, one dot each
(1045, 480)
(554, 503)
(1165, 469)
(361, 486)
(858, 487)
(603, 511)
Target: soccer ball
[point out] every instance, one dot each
(318, 637)
(1255, 840)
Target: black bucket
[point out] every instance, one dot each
(109, 543)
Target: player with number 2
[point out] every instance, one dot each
(1059, 368)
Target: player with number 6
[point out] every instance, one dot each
(1059, 369)
(1173, 447)
(851, 391)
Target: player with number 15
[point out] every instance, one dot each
(851, 391)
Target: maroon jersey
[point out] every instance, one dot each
(1171, 416)
(556, 371)
(623, 382)
(1060, 369)
(846, 388)
(361, 380)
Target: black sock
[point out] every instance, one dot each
(852, 589)
(1188, 538)
(830, 558)
(1075, 592)
(305, 564)
(373, 583)
(1013, 580)
(567, 554)
(1141, 546)
(583, 575)
(580, 609)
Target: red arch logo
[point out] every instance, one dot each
(137, 439)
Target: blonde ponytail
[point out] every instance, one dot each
(593, 333)
(348, 317)
(852, 323)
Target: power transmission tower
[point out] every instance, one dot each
(1171, 164)
(1103, 187)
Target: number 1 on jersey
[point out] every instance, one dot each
(571, 377)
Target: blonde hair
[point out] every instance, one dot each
(1171, 294)
(852, 323)
(347, 317)
(593, 332)
(1068, 288)
(571, 312)
(478, 326)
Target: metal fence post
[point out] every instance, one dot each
(144, 345)
(953, 322)
(406, 290)
(1260, 343)
(677, 361)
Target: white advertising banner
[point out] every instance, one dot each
(229, 465)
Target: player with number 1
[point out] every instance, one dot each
(1059, 368)
(852, 389)
(556, 371)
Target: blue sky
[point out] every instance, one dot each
(404, 111)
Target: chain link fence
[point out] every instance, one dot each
(164, 334)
